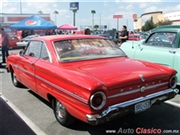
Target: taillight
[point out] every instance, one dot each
(173, 82)
(97, 100)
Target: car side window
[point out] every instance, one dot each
(44, 53)
(13, 38)
(162, 39)
(33, 49)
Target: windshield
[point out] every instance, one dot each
(86, 49)
(29, 37)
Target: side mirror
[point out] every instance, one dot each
(21, 53)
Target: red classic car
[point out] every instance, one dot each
(93, 88)
(12, 41)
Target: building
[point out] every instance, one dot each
(156, 17)
(10, 19)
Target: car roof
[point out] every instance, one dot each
(174, 28)
(66, 37)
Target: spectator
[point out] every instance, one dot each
(87, 31)
(124, 34)
(53, 32)
(47, 33)
(5, 45)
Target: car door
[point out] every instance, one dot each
(43, 71)
(27, 64)
(158, 48)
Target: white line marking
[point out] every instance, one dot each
(31, 124)
(173, 103)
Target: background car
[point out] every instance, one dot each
(24, 41)
(161, 47)
(12, 41)
(134, 37)
(93, 88)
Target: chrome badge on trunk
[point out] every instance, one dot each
(142, 77)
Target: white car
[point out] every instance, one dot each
(24, 41)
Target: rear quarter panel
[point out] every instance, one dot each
(66, 86)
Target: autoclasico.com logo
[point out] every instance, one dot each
(142, 131)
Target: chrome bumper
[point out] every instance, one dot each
(124, 108)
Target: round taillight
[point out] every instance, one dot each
(173, 82)
(97, 100)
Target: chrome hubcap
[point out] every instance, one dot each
(60, 110)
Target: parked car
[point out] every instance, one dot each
(12, 42)
(94, 88)
(135, 37)
(161, 47)
(24, 41)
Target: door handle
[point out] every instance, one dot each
(172, 51)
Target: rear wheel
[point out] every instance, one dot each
(61, 114)
(15, 81)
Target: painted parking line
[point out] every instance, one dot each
(173, 103)
(31, 124)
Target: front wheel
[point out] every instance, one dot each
(61, 114)
(15, 81)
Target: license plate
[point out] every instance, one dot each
(142, 106)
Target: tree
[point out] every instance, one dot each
(148, 25)
(55, 12)
(93, 12)
(166, 22)
(40, 12)
(96, 26)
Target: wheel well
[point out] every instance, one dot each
(10, 67)
(50, 97)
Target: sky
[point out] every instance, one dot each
(105, 9)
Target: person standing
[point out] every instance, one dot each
(87, 31)
(124, 34)
(5, 45)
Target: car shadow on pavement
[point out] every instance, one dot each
(163, 117)
(40, 98)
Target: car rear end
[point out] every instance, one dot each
(133, 94)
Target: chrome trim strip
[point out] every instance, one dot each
(134, 101)
(136, 90)
(56, 87)
(162, 64)
(62, 89)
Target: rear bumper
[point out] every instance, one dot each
(127, 107)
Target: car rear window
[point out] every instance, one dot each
(86, 49)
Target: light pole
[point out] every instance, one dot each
(100, 23)
(20, 7)
(74, 17)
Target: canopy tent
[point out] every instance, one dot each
(67, 27)
(33, 23)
